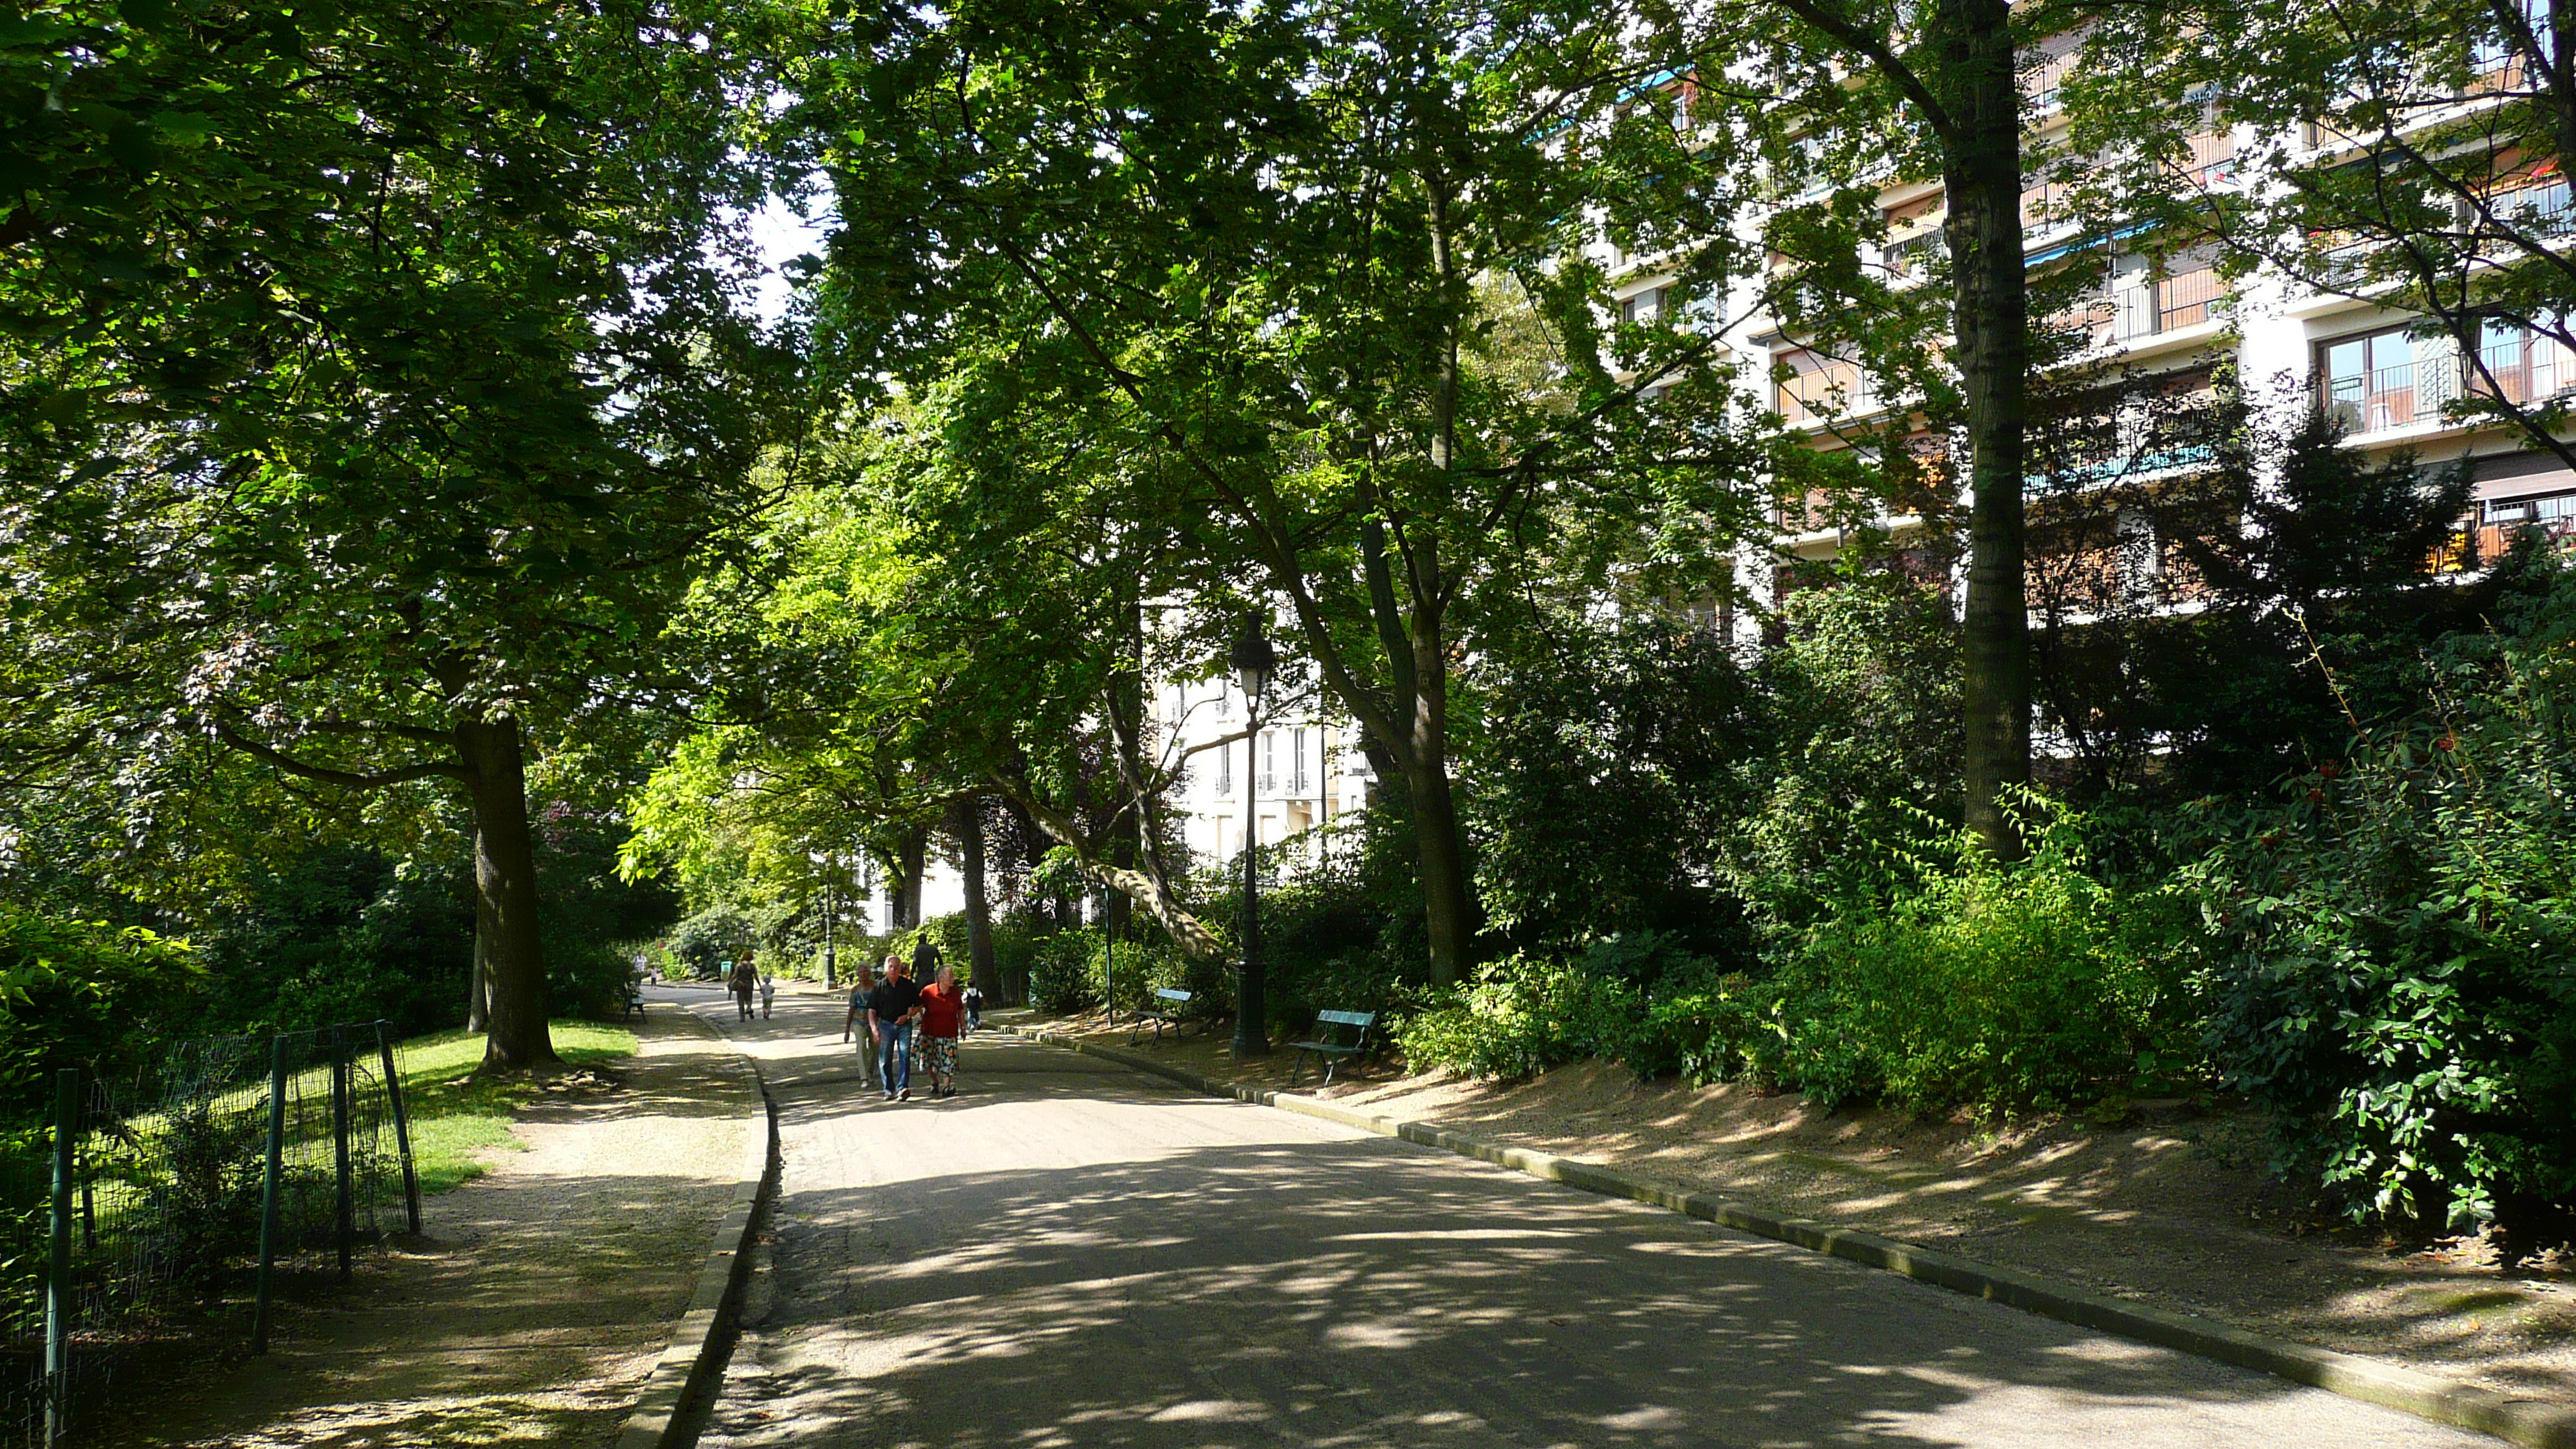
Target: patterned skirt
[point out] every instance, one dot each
(939, 1055)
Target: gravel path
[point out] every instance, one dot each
(539, 1298)
(1071, 1254)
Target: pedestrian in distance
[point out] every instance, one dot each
(743, 982)
(974, 1007)
(894, 1004)
(943, 1020)
(768, 994)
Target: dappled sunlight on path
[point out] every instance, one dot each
(539, 1298)
(1068, 1254)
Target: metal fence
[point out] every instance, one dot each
(158, 1213)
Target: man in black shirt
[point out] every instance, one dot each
(892, 1004)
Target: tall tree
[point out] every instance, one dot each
(1252, 244)
(1858, 97)
(374, 370)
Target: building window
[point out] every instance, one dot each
(2148, 299)
(1819, 386)
(2368, 383)
(1269, 762)
(2520, 365)
(1646, 306)
(1225, 769)
(1297, 762)
(1916, 255)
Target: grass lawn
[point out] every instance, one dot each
(454, 1117)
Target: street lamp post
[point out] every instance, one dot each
(1253, 659)
(831, 909)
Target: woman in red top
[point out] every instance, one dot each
(943, 1017)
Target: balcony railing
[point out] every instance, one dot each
(2525, 368)
(2373, 401)
(1815, 393)
(2169, 304)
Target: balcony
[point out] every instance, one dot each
(2166, 304)
(2376, 400)
(2500, 523)
(2388, 380)
(1819, 388)
(2522, 367)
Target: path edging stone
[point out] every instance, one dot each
(703, 1338)
(2532, 1423)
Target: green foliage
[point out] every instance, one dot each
(2391, 946)
(720, 933)
(1959, 983)
(1974, 984)
(1609, 769)
(1064, 976)
(1857, 717)
(343, 934)
(80, 993)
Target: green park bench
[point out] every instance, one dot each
(1329, 1027)
(1165, 1012)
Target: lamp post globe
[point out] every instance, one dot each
(1253, 660)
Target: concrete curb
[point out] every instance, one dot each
(2533, 1423)
(664, 1417)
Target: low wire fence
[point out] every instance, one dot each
(158, 1213)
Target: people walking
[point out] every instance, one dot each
(768, 994)
(974, 1007)
(893, 1005)
(943, 1020)
(743, 982)
(853, 1020)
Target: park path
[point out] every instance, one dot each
(1070, 1254)
(536, 1302)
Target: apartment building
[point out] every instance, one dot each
(1306, 769)
(2162, 324)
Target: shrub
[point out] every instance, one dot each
(80, 993)
(2390, 955)
(1975, 984)
(1064, 973)
(1610, 762)
(1521, 1015)
(722, 932)
(343, 933)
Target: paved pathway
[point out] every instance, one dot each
(1070, 1254)
(535, 1306)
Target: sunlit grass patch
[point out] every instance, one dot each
(456, 1117)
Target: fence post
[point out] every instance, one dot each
(58, 1269)
(269, 1191)
(402, 1128)
(342, 1214)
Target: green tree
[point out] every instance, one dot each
(374, 370)
(1259, 248)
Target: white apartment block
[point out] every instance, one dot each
(2364, 362)
(1306, 768)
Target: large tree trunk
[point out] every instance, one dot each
(966, 823)
(910, 858)
(1972, 40)
(478, 972)
(505, 890)
(1439, 844)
